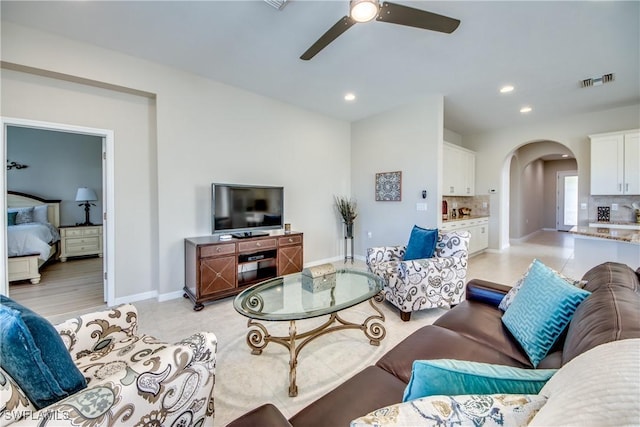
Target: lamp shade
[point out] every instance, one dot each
(85, 194)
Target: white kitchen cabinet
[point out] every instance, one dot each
(477, 227)
(459, 168)
(615, 163)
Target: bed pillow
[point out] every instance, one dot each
(40, 214)
(452, 377)
(541, 310)
(23, 215)
(460, 411)
(11, 218)
(33, 353)
(508, 298)
(422, 243)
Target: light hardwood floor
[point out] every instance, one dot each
(65, 287)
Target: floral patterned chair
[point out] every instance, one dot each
(132, 380)
(423, 283)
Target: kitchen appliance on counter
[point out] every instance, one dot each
(462, 212)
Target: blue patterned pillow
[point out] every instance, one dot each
(452, 377)
(541, 310)
(11, 218)
(32, 352)
(422, 243)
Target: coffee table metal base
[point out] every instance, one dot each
(258, 336)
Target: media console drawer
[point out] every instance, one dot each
(257, 245)
(216, 250)
(290, 240)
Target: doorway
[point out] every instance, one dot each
(567, 200)
(107, 196)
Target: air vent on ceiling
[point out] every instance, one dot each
(277, 4)
(597, 81)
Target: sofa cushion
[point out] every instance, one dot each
(369, 389)
(422, 243)
(463, 410)
(32, 352)
(598, 388)
(610, 313)
(483, 323)
(452, 377)
(434, 342)
(541, 310)
(508, 298)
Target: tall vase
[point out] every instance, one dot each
(349, 230)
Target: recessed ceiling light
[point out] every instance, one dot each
(506, 89)
(565, 156)
(350, 97)
(526, 109)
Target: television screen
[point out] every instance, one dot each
(246, 207)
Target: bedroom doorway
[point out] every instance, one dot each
(99, 177)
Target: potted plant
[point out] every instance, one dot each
(348, 211)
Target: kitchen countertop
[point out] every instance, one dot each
(464, 218)
(629, 236)
(628, 225)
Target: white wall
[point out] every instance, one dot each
(495, 148)
(407, 139)
(196, 132)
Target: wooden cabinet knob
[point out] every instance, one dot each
(218, 249)
(290, 240)
(258, 244)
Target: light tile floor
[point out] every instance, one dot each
(244, 381)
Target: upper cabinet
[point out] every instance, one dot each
(615, 163)
(459, 174)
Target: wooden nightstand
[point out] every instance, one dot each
(80, 241)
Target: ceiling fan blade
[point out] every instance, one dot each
(404, 15)
(340, 27)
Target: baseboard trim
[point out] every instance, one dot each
(170, 295)
(136, 297)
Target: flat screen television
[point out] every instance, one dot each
(246, 210)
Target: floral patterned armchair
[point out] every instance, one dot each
(132, 380)
(423, 283)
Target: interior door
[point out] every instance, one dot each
(567, 200)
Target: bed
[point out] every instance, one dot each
(30, 245)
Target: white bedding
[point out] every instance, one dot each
(31, 238)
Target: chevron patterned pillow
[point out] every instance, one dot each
(541, 310)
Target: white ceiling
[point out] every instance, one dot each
(543, 48)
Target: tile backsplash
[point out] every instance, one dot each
(623, 214)
(479, 205)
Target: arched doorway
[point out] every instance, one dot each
(533, 183)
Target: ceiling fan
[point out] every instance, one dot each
(367, 10)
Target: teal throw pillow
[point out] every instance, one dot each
(11, 218)
(457, 377)
(422, 243)
(32, 352)
(541, 310)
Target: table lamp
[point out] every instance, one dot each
(86, 195)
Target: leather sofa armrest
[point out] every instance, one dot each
(486, 292)
(266, 415)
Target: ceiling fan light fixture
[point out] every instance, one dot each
(363, 10)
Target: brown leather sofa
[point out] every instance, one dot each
(472, 331)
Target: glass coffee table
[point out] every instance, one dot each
(296, 297)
